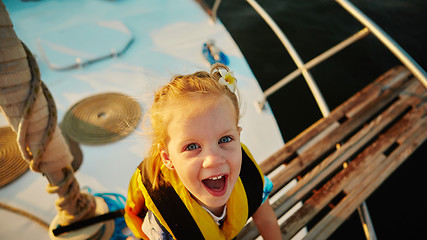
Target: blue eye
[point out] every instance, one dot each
(225, 139)
(191, 147)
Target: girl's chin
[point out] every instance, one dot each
(215, 209)
(215, 204)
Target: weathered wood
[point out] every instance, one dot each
(347, 149)
(368, 93)
(343, 158)
(367, 183)
(329, 141)
(358, 176)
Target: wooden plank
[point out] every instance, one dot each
(329, 141)
(362, 173)
(407, 125)
(369, 92)
(321, 198)
(336, 159)
(389, 81)
(369, 183)
(357, 171)
(369, 112)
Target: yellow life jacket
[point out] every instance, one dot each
(182, 216)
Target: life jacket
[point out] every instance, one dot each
(182, 216)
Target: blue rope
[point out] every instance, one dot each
(114, 202)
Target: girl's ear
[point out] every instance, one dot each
(164, 154)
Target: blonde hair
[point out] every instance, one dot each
(181, 87)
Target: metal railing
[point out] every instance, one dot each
(312, 63)
(295, 56)
(370, 27)
(387, 41)
(303, 68)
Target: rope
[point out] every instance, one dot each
(30, 109)
(25, 214)
(12, 165)
(81, 205)
(115, 202)
(102, 118)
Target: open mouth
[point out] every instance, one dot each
(216, 185)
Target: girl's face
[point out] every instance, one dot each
(204, 149)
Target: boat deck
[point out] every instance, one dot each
(163, 44)
(322, 175)
(331, 168)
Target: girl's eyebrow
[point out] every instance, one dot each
(186, 141)
(230, 130)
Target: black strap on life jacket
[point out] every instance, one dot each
(179, 219)
(174, 212)
(252, 182)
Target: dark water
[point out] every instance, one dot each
(397, 208)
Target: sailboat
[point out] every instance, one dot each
(127, 49)
(101, 62)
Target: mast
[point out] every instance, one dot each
(31, 112)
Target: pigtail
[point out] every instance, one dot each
(151, 167)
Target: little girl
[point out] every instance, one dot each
(198, 181)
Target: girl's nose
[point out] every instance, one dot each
(213, 158)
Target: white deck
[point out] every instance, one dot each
(168, 38)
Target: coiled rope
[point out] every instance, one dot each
(102, 118)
